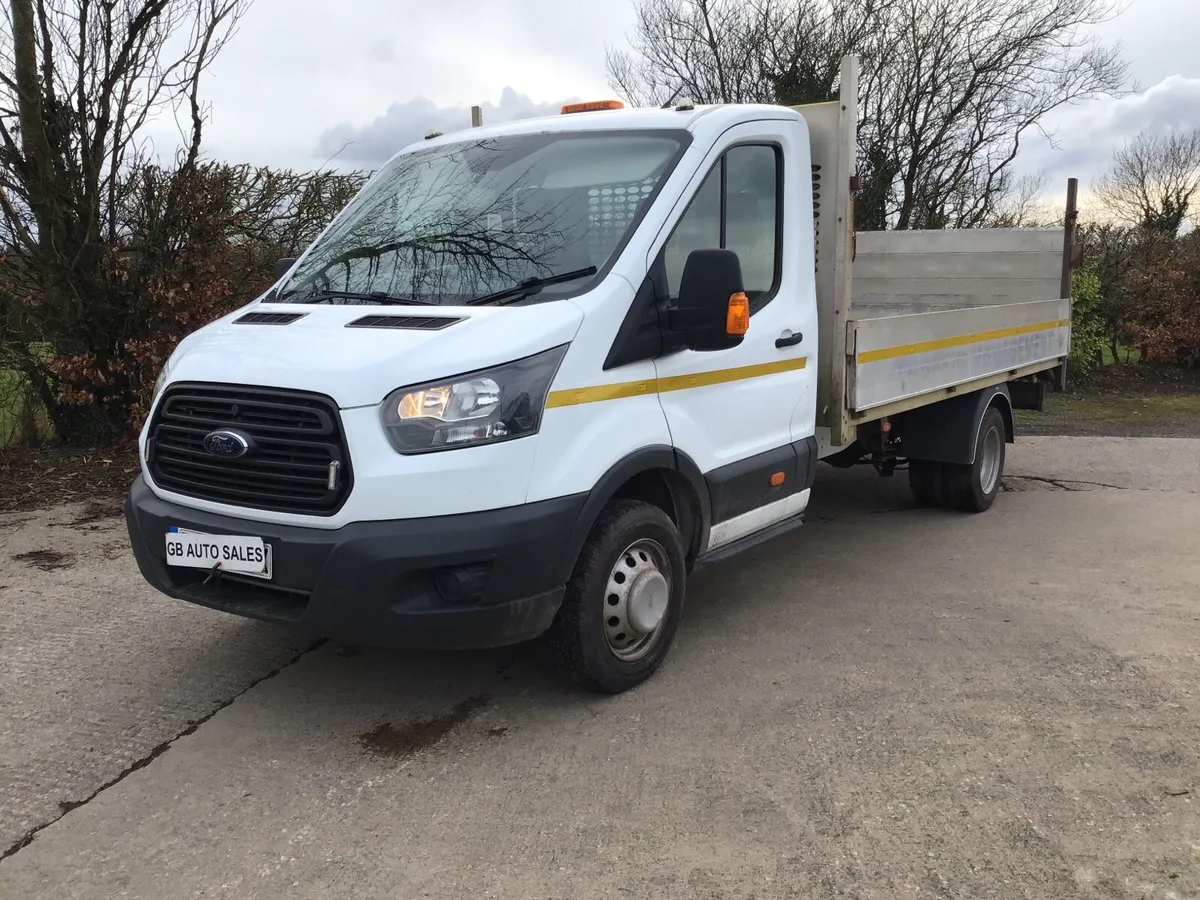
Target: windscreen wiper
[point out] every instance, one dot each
(380, 297)
(530, 286)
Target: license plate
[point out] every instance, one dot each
(236, 554)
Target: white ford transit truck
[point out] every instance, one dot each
(534, 374)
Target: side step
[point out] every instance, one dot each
(751, 540)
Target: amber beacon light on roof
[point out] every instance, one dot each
(591, 106)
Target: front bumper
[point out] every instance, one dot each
(482, 579)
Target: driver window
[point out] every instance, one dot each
(734, 209)
(699, 229)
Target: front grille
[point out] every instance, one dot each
(294, 439)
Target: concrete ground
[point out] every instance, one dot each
(887, 703)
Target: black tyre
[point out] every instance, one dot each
(970, 488)
(926, 479)
(624, 599)
(974, 488)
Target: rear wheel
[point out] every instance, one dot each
(624, 599)
(926, 480)
(968, 488)
(974, 488)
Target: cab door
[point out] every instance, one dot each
(745, 415)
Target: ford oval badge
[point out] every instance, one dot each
(227, 444)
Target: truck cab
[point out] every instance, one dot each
(528, 380)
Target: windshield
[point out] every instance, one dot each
(455, 223)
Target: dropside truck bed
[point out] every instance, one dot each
(911, 318)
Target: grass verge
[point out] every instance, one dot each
(11, 407)
(22, 420)
(1121, 401)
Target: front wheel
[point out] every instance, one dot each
(624, 599)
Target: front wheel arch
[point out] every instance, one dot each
(628, 479)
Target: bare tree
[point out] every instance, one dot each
(968, 82)
(694, 48)
(278, 212)
(739, 51)
(949, 89)
(1153, 180)
(806, 40)
(79, 80)
(1024, 206)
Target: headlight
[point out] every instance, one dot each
(484, 407)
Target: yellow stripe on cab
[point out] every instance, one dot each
(624, 389)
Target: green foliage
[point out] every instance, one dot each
(1149, 292)
(1089, 331)
(1164, 290)
(14, 394)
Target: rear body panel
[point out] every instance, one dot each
(909, 317)
(908, 357)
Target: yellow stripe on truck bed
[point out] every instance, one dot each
(961, 340)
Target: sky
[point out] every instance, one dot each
(306, 83)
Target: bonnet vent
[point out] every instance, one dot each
(269, 318)
(407, 323)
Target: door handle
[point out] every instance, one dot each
(788, 339)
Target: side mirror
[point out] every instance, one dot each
(713, 312)
(282, 266)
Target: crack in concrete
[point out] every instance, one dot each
(66, 806)
(1066, 484)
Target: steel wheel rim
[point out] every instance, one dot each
(989, 464)
(636, 600)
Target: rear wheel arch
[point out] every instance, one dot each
(948, 431)
(1003, 402)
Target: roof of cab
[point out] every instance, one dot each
(612, 119)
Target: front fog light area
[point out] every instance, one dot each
(478, 408)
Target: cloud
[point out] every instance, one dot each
(294, 71)
(411, 120)
(1086, 135)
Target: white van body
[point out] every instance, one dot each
(276, 482)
